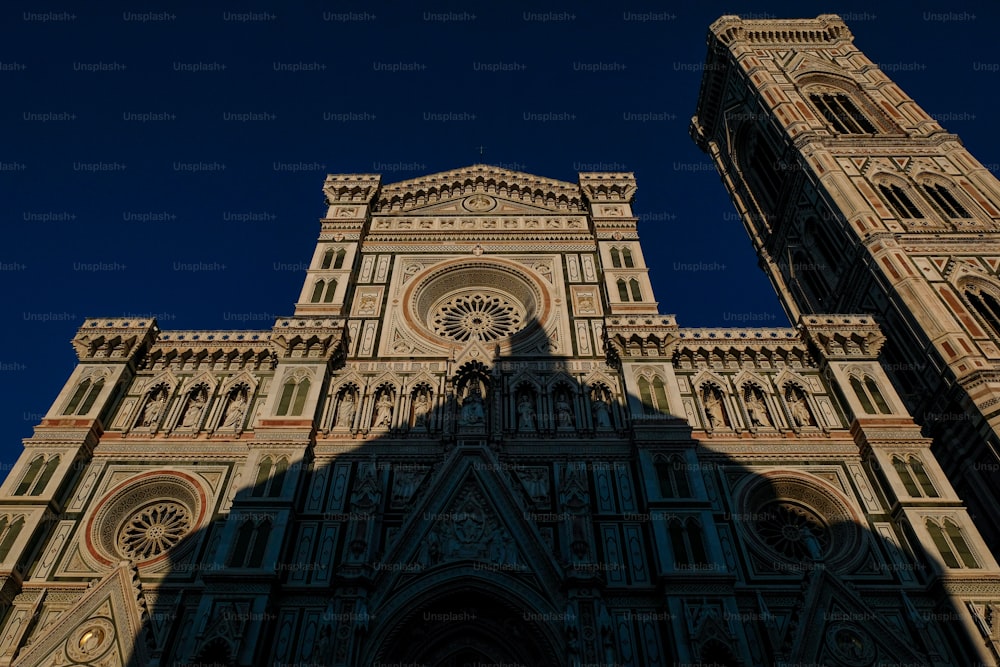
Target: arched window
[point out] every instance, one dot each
(986, 306)
(646, 396)
(840, 111)
(622, 290)
(95, 390)
(29, 476)
(77, 397)
(263, 477)
(339, 261)
(687, 543)
(293, 398)
(327, 259)
(951, 544)
(260, 538)
(672, 475)
(244, 536)
(764, 169)
(903, 471)
(627, 258)
(616, 259)
(660, 394)
(869, 395)
(318, 291)
(876, 395)
(945, 201)
(633, 285)
(278, 481)
(43, 479)
(8, 534)
(331, 291)
(300, 397)
(922, 478)
(900, 203)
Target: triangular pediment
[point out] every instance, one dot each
(842, 627)
(480, 188)
(104, 627)
(470, 515)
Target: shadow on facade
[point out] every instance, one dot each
(523, 516)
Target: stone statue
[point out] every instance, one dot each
(236, 411)
(195, 406)
(421, 409)
(713, 408)
(525, 415)
(472, 407)
(800, 409)
(602, 416)
(756, 409)
(154, 408)
(383, 411)
(564, 413)
(345, 415)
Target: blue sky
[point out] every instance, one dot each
(170, 162)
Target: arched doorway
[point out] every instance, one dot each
(469, 627)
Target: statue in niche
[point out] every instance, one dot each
(536, 481)
(421, 409)
(525, 415)
(383, 410)
(473, 412)
(564, 412)
(154, 408)
(756, 408)
(714, 410)
(345, 413)
(407, 481)
(236, 410)
(195, 408)
(801, 413)
(599, 406)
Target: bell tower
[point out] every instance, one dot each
(858, 201)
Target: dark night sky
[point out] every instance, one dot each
(105, 214)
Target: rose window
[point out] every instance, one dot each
(154, 529)
(793, 531)
(477, 315)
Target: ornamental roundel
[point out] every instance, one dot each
(488, 300)
(146, 517)
(91, 640)
(790, 519)
(479, 203)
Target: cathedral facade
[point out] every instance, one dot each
(476, 441)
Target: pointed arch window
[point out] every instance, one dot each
(293, 398)
(331, 291)
(900, 203)
(29, 476)
(616, 258)
(317, 293)
(622, 290)
(43, 479)
(869, 395)
(915, 479)
(78, 395)
(945, 200)
(671, 473)
(687, 543)
(327, 259)
(951, 544)
(843, 115)
(9, 530)
(251, 544)
(338, 261)
(653, 394)
(633, 286)
(88, 402)
(627, 258)
(986, 305)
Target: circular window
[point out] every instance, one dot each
(145, 517)
(477, 314)
(475, 299)
(790, 518)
